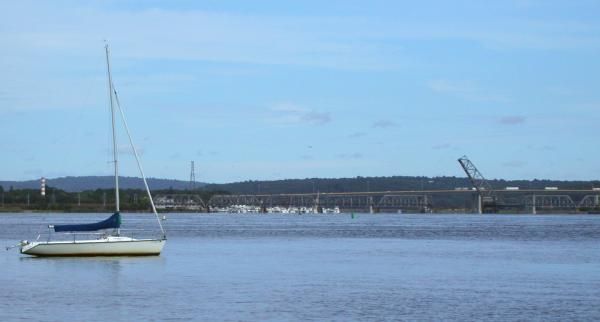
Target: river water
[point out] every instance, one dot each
(221, 267)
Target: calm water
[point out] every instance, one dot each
(317, 267)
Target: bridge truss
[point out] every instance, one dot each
(516, 201)
(180, 202)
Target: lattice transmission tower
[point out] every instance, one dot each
(192, 176)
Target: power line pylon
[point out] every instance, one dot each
(192, 176)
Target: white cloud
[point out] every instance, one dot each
(351, 42)
(40, 36)
(350, 156)
(384, 124)
(52, 55)
(441, 146)
(512, 120)
(187, 35)
(356, 135)
(464, 90)
(514, 164)
(289, 114)
(536, 147)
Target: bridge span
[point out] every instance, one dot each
(460, 199)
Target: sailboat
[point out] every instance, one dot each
(109, 241)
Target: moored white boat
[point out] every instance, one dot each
(110, 242)
(105, 246)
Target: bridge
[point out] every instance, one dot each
(480, 198)
(421, 201)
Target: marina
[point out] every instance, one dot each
(242, 209)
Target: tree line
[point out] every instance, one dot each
(84, 201)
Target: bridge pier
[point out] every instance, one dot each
(533, 208)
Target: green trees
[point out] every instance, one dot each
(99, 200)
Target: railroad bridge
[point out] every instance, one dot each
(510, 200)
(481, 197)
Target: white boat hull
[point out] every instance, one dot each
(111, 246)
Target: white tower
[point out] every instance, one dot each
(43, 187)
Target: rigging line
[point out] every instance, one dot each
(114, 133)
(137, 159)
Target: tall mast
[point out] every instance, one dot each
(114, 105)
(114, 133)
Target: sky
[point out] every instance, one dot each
(264, 90)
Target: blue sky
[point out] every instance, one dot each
(282, 89)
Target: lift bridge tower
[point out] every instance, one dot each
(487, 200)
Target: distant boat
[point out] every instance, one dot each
(109, 241)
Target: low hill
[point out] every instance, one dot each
(363, 184)
(76, 184)
(308, 185)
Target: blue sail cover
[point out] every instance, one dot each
(113, 221)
